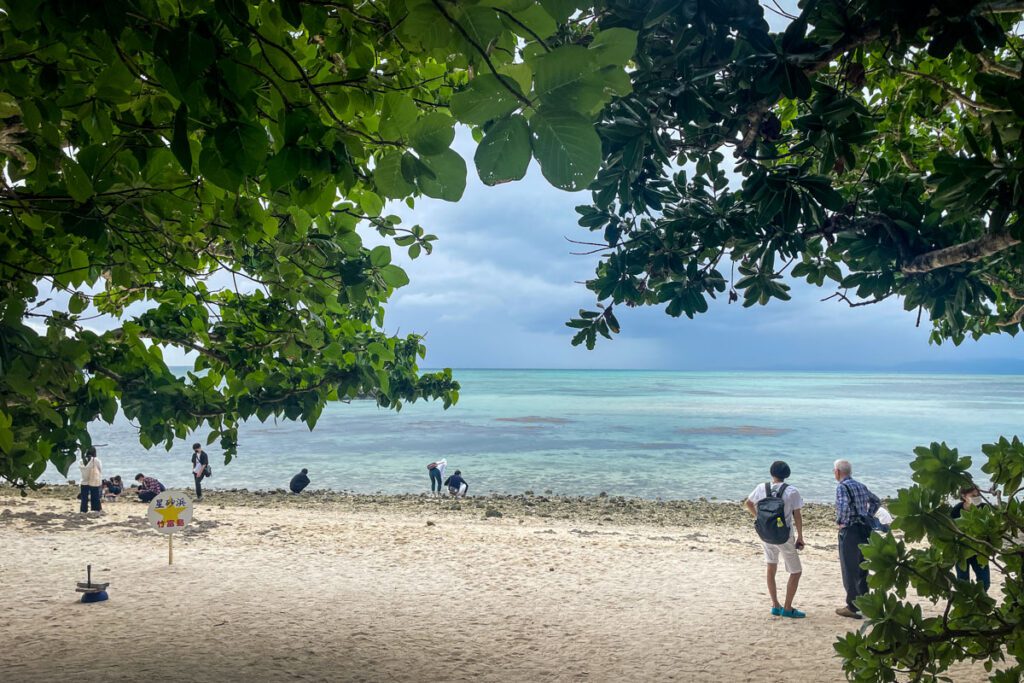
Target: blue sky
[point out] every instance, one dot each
(501, 283)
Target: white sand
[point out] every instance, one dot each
(307, 594)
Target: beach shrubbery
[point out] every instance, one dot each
(964, 621)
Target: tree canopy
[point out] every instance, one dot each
(873, 147)
(202, 174)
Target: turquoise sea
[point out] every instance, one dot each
(632, 433)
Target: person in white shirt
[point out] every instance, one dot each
(92, 480)
(792, 503)
(436, 470)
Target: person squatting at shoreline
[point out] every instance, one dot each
(791, 529)
(149, 487)
(855, 506)
(299, 482)
(457, 486)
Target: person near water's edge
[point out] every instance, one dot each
(200, 467)
(436, 471)
(457, 486)
(299, 481)
(148, 488)
(855, 506)
(970, 498)
(92, 480)
(792, 502)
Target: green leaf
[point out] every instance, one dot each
(563, 66)
(614, 46)
(76, 181)
(283, 168)
(388, 176)
(397, 115)
(485, 99)
(380, 256)
(446, 177)
(567, 148)
(504, 153)
(432, 134)
(394, 276)
(560, 10)
(179, 140)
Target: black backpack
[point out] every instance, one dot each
(771, 517)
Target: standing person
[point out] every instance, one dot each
(970, 498)
(436, 470)
(793, 533)
(457, 486)
(92, 480)
(299, 481)
(200, 468)
(149, 487)
(855, 505)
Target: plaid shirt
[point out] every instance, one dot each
(150, 484)
(854, 500)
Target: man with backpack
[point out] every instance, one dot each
(775, 507)
(855, 509)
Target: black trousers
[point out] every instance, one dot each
(146, 496)
(855, 579)
(90, 495)
(199, 486)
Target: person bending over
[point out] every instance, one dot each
(299, 481)
(148, 487)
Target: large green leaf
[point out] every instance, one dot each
(614, 46)
(388, 176)
(433, 133)
(76, 181)
(504, 153)
(485, 99)
(397, 115)
(446, 178)
(567, 148)
(564, 66)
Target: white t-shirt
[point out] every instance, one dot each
(791, 499)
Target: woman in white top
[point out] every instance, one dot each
(92, 479)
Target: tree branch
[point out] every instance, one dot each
(967, 252)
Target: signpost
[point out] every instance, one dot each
(170, 512)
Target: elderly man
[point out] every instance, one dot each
(855, 505)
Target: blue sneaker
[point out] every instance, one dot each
(777, 611)
(792, 613)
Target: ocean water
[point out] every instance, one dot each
(632, 433)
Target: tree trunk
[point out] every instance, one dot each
(968, 252)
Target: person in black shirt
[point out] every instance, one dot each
(299, 481)
(200, 467)
(970, 497)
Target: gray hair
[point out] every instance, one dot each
(844, 467)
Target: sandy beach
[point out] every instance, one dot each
(269, 587)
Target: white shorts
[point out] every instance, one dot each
(790, 556)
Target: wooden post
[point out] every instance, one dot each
(88, 574)
(170, 549)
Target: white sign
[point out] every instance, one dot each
(170, 512)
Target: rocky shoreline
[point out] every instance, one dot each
(600, 509)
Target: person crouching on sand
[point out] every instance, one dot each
(299, 482)
(457, 486)
(149, 487)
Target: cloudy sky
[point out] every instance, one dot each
(502, 282)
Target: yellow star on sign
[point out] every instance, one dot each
(170, 512)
